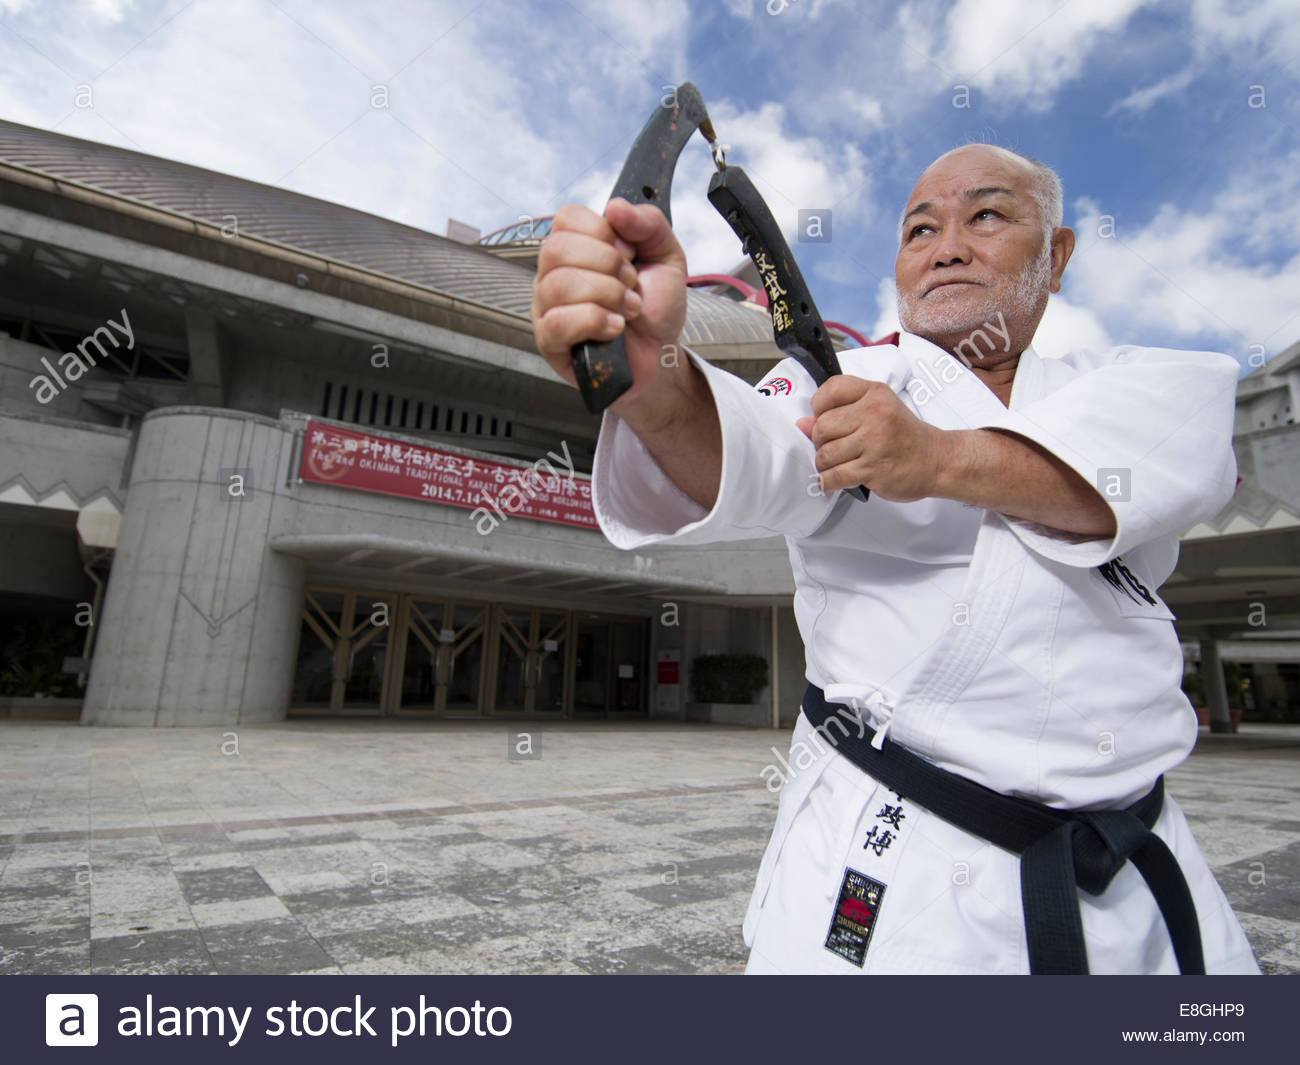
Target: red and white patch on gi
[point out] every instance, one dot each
(775, 386)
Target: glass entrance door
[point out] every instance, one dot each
(464, 659)
(627, 668)
(609, 668)
(343, 646)
(442, 668)
(315, 685)
(531, 653)
(591, 670)
(363, 654)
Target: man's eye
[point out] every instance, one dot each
(979, 215)
(916, 231)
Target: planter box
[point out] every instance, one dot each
(754, 715)
(39, 708)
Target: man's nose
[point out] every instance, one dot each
(952, 248)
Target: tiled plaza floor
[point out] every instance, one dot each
(322, 846)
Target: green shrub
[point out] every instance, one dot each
(1194, 688)
(31, 659)
(727, 678)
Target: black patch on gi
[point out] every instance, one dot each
(855, 917)
(1120, 577)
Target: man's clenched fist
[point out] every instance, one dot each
(865, 435)
(599, 277)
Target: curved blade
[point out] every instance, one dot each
(602, 370)
(647, 174)
(797, 326)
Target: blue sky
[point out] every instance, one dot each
(1180, 121)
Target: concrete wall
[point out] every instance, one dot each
(20, 362)
(201, 616)
(45, 454)
(1268, 403)
(294, 374)
(1277, 470)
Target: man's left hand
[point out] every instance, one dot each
(865, 435)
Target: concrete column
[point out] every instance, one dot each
(775, 667)
(1216, 688)
(200, 618)
(209, 357)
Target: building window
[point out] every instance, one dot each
(140, 360)
(402, 412)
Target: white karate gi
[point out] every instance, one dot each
(991, 646)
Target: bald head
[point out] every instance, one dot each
(1043, 183)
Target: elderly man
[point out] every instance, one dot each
(974, 783)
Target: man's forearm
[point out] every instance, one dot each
(1009, 474)
(680, 428)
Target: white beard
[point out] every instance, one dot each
(1016, 298)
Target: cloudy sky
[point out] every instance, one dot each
(1175, 124)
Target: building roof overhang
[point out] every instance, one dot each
(395, 557)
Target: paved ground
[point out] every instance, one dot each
(414, 848)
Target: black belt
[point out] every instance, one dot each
(1058, 849)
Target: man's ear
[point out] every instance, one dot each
(1062, 249)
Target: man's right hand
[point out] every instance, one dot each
(588, 287)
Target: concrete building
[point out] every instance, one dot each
(174, 343)
(1236, 590)
(255, 451)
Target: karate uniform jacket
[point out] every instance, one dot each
(1037, 663)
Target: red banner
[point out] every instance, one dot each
(547, 490)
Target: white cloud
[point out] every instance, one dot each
(1269, 23)
(748, 8)
(1025, 52)
(284, 96)
(1225, 276)
(1142, 100)
(867, 110)
(1018, 51)
(1066, 327)
(886, 309)
(643, 41)
(109, 10)
(791, 172)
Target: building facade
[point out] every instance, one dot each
(169, 336)
(248, 444)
